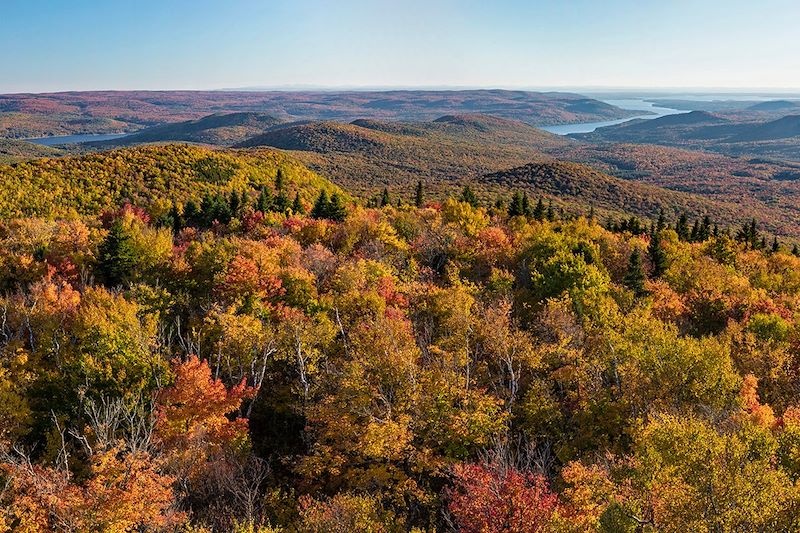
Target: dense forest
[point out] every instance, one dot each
(231, 343)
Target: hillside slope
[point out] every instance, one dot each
(578, 185)
(89, 184)
(12, 150)
(219, 129)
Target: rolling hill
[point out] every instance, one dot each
(89, 184)
(221, 129)
(574, 184)
(736, 134)
(12, 151)
(367, 155)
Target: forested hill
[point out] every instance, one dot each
(151, 175)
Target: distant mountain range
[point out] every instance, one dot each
(727, 133)
(33, 114)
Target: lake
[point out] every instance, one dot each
(74, 139)
(633, 104)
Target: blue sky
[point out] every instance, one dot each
(48, 45)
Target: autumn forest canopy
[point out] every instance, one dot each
(411, 321)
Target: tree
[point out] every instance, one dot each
(469, 197)
(661, 224)
(682, 227)
(321, 206)
(336, 209)
(516, 208)
(385, 200)
(264, 201)
(634, 277)
(775, 245)
(539, 212)
(656, 254)
(493, 498)
(117, 255)
(418, 196)
(297, 205)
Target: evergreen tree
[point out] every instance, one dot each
(551, 214)
(235, 204)
(418, 195)
(795, 250)
(656, 254)
(279, 181)
(191, 213)
(634, 277)
(662, 221)
(321, 206)
(775, 245)
(175, 219)
(591, 214)
(705, 229)
(297, 205)
(539, 211)
(694, 235)
(516, 208)
(763, 245)
(682, 228)
(385, 200)
(526, 205)
(469, 197)
(281, 202)
(264, 201)
(336, 209)
(116, 255)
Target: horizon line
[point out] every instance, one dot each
(382, 88)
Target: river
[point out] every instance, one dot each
(633, 104)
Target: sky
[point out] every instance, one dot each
(57, 45)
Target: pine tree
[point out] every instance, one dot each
(705, 229)
(551, 214)
(281, 202)
(694, 235)
(336, 209)
(795, 250)
(656, 254)
(516, 208)
(385, 200)
(321, 206)
(526, 205)
(469, 197)
(235, 203)
(682, 228)
(775, 245)
(117, 256)
(634, 277)
(591, 215)
(191, 213)
(418, 195)
(662, 221)
(279, 181)
(264, 201)
(297, 205)
(539, 211)
(175, 219)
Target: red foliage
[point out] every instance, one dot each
(495, 499)
(108, 217)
